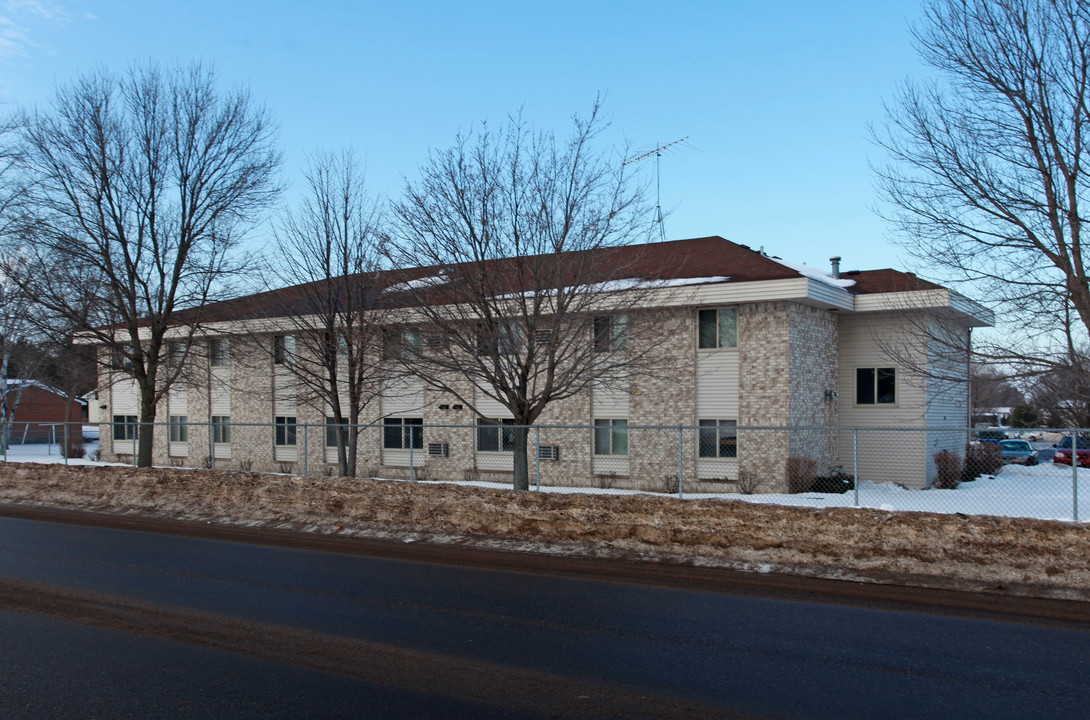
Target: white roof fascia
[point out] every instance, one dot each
(968, 311)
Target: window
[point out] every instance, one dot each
(401, 343)
(495, 435)
(175, 352)
(610, 333)
(402, 433)
(718, 328)
(610, 437)
(506, 337)
(122, 358)
(219, 351)
(221, 429)
(332, 430)
(719, 438)
(124, 427)
(179, 428)
(285, 430)
(283, 349)
(875, 386)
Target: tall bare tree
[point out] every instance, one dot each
(988, 164)
(331, 252)
(520, 230)
(141, 187)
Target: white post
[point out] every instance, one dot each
(680, 461)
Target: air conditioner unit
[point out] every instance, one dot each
(437, 449)
(548, 452)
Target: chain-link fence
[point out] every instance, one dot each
(1026, 473)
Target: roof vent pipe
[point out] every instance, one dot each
(836, 266)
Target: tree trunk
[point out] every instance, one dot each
(146, 429)
(522, 470)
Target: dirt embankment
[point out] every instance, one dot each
(1033, 557)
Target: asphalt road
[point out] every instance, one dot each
(101, 622)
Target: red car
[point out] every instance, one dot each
(1063, 451)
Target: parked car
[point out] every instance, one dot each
(991, 435)
(1018, 451)
(1063, 451)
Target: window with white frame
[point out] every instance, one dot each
(179, 428)
(505, 337)
(718, 438)
(283, 349)
(124, 427)
(610, 333)
(219, 352)
(876, 386)
(284, 430)
(221, 429)
(401, 343)
(717, 328)
(402, 433)
(610, 437)
(176, 350)
(495, 435)
(335, 433)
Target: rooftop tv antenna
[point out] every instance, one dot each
(657, 152)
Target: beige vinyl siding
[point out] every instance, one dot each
(220, 390)
(403, 397)
(609, 401)
(716, 399)
(124, 397)
(947, 398)
(884, 456)
(284, 391)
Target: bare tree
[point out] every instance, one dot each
(527, 299)
(332, 255)
(988, 166)
(141, 186)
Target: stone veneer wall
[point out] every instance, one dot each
(787, 355)
(814, 371)
(764, 359)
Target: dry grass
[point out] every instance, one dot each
(838, 542)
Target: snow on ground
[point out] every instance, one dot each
(1043, 491)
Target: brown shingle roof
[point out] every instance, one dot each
(676, 259)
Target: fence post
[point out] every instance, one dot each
(306, 448)
(412, 442)
(1075, 473)
(537, 451)
(52, 437)
(211, 445)
(855, 463)
(680, 461)
(135, 435)
(65, 450)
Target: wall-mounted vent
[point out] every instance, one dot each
(548, 452)
(437, 449)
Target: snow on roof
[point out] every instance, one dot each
(628, 284)
(814, 273)
(427, 281)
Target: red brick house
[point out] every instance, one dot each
(39, 405)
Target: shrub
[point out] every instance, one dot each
(606, 481)
(836, 483)
(74, 449)
(670, 484)
(949, 470)
(748, 482)
(245, 465)
(982, 459)
(286, 468)
(800, 473)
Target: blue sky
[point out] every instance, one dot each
(775, 98)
